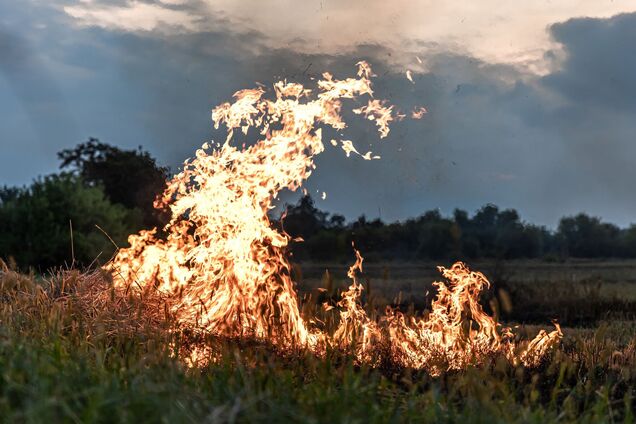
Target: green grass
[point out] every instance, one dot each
(73, 350)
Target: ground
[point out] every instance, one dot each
(66, 356)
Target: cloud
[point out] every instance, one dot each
(33, 108)
(599, 69)
(591, 109)
(567, 152)
(494, 132)
(511, 32)
(135, 15)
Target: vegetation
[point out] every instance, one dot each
(116, 189)
(74, 350)
(489, 233)
(78, 216)
(57, 220)
(130, 178)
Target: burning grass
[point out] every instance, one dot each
(225, 269)
(74, 349)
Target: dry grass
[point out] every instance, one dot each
(579, 293)
(74, 349)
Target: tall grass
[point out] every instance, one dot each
(72, 349)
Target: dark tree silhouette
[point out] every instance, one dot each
(36, 222)
(304, 219)
(130, 178)
(585, 236)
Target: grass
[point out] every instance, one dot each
(577, 293)
(74, 350)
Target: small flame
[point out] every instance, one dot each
(225, 268)
(419, 112)
(376, 110)
(347, 146)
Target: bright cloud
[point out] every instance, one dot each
(134, 16)
(491, 30)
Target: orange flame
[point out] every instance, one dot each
(225, 266)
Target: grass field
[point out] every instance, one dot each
(578, 293)
(74, 350)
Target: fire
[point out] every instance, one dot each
(419, 112)
(225, 266)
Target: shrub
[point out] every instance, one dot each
(36, 222)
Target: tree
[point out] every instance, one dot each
(584, 236)
(8, 193)
(337, 222)
(628, 245)
(468, 244)
(304, 219)
(435, 236)
(35, 223)
(130, 178)
(484, 226)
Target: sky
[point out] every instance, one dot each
(531, 105)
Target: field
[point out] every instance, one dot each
(577, 293)
(73, 350)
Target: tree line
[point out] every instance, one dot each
(488, 233)
(102, 194)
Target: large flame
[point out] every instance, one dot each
(225, 267)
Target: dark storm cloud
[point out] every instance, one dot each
(547, 146)
(599, 70)
(591, 109)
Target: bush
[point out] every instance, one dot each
(35, 223)
(130, 178)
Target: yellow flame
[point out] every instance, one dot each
(376, 110)
(225, 266)
(418, 112)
